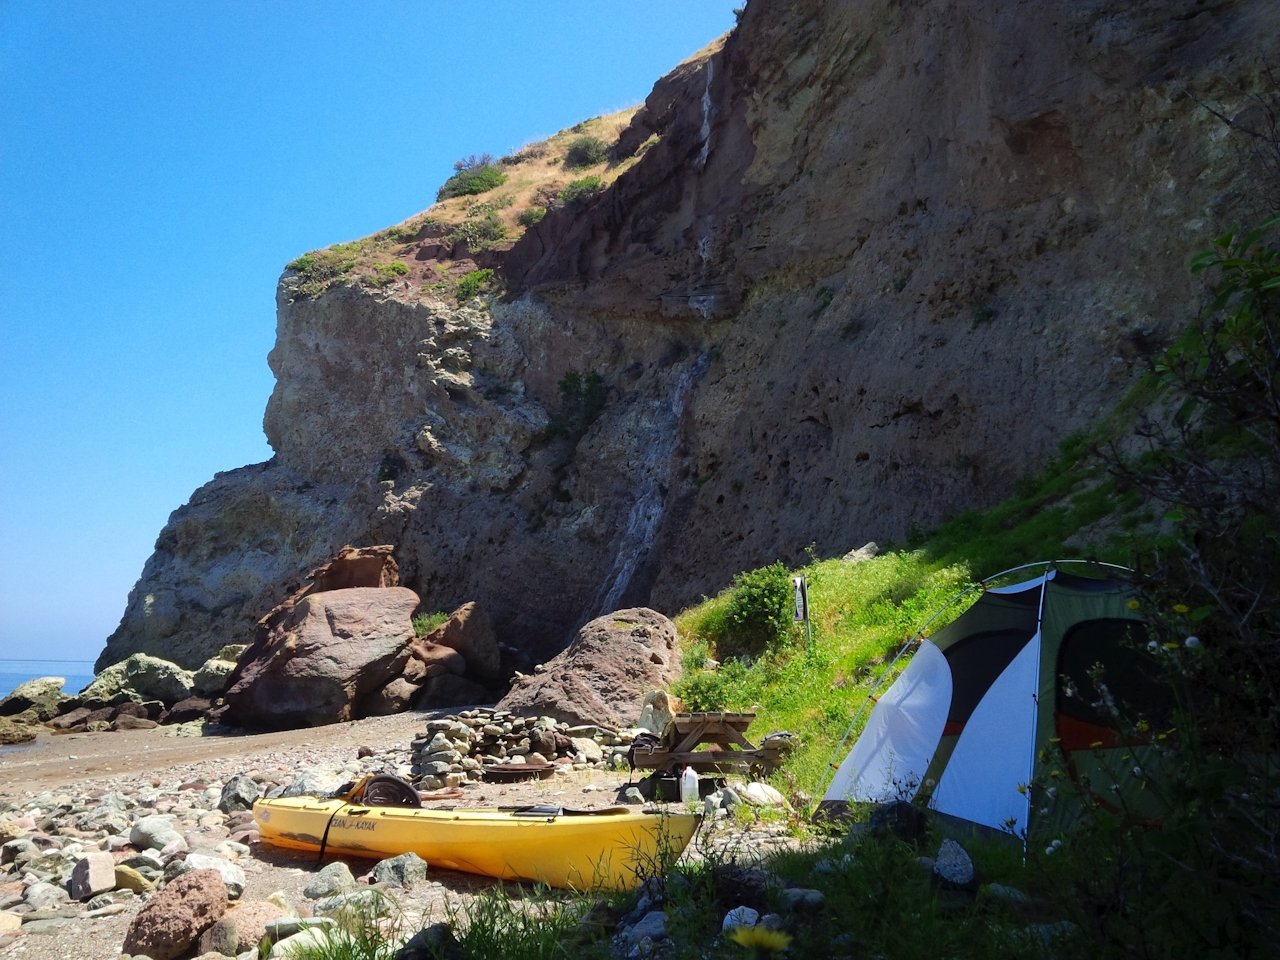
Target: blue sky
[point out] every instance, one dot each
(160, 163)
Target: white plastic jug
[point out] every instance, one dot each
(689, 786)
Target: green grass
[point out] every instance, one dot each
(510, 924)
(424, 623)
(384, 273)
(862, 613)
(365, 931)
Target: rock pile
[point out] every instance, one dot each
(135, 694)
(459, 748)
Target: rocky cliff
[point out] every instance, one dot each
(864, 265)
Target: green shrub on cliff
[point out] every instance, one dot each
(578, 192)
(758, 612)
(586, 152)
(384, 273)
(475, 233)
(472, 283)
(473, 176)
(531, 215)
(319, 268)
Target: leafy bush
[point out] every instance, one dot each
(757, 614)
(474, 233)
(586, 152)
(470, 284)
(1207, 877)
(320, 267)
(384, 273)
(531, 215)
(578, 192)
(424, 623)
(471, 180)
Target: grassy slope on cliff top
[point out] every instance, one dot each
(862, 613)
(534, 172)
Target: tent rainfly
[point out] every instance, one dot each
(1004, 696)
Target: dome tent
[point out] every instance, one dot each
(1003, 696)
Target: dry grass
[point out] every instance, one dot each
(377, 261)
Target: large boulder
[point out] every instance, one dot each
(153, 833)
(470, 631)
(395, 697)
(13, 733)
(42, 697)
(232, 875)
(95, 873)
(428, 659)
(212, 676)
(171, 921)
(604, 673)
(109, 688)
(155, 679)
(314, 660)
(141, 677)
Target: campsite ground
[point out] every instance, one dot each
(90, 765)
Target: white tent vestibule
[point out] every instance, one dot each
(889, 760)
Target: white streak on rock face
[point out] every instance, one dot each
(650, 504)
(704, 304)
(707, 113)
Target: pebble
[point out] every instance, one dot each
(952, 864)
(333, 879)
(740, 917)
(158, 826)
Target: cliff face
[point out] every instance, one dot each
(881, 258)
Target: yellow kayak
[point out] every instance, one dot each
(611, 849)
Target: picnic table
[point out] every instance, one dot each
(685, 732)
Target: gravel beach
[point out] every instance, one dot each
(73, 795)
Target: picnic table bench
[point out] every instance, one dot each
(685, 732)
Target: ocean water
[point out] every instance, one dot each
(14, 673)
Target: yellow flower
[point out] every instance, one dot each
(761, 938)
(1133, 604)
(1180, 608)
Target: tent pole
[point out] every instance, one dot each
(1035, 701)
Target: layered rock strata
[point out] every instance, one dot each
(875, 262)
